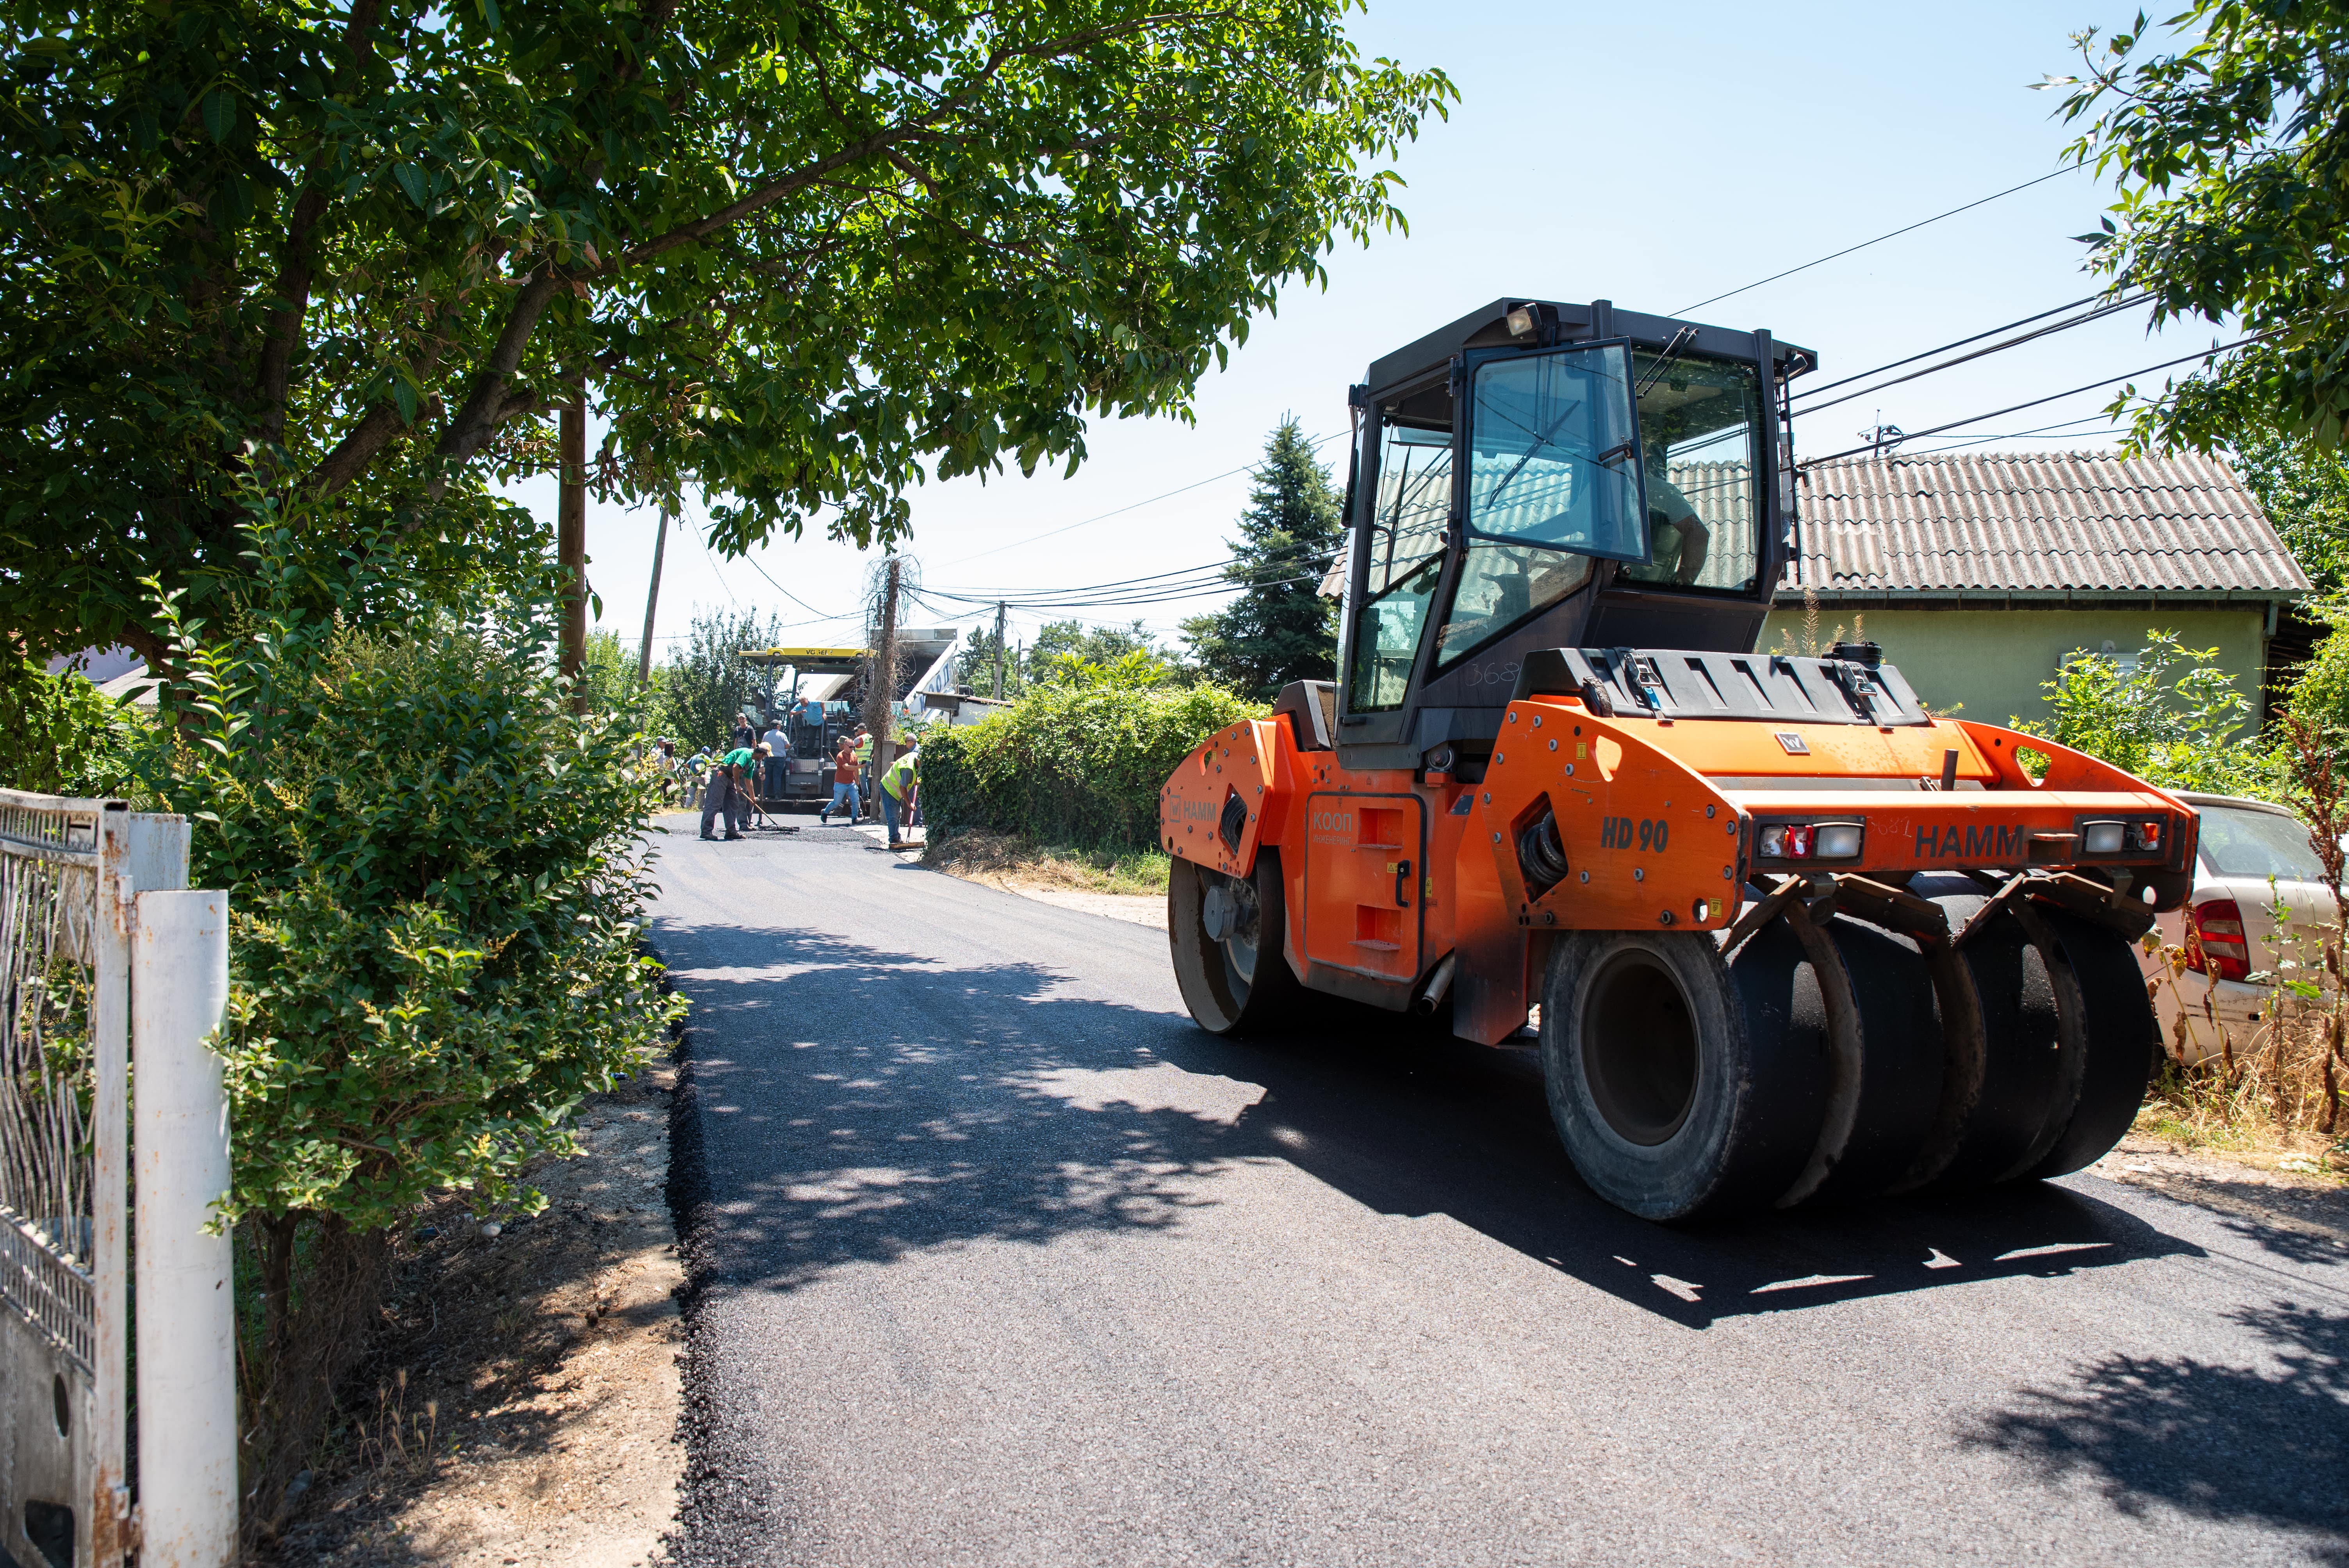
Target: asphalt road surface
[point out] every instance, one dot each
(1002, 1261)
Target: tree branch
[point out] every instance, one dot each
(476, 421)
(296, 270)
(865, 147)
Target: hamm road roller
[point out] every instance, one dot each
(1792, 938)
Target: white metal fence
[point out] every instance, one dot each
(76, 879)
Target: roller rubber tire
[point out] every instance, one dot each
(2003, 1037)
(1683, 1087)
(1221, 1000)
(2120, 1034)
(1884, 1055)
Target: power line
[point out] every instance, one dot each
(1879, 238)
(2000, 347)
(1928, 354)
(1211, 478)
(762, 570)
(2006, 436)
(1212, 577)
(2216, 348)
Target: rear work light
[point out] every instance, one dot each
(2106, 837)
(2215, 944)
(1807, 842)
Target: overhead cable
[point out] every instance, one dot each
(1879, 238)
(1944, 348)
(1104, 516)
(2214, 349)
(2016, 342)
(1209, 577)
(2009, 435)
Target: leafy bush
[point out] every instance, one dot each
(436, 883)
(2175, 720)
(1071, 764)
(60, 734)
(2320, 689)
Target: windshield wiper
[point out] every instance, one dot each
(1540, 442)
(1680, 340)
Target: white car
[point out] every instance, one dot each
(2251, 856)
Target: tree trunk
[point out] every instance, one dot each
(571, 539)
(999, 618)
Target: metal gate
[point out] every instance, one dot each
(71, 877)
(65, 923)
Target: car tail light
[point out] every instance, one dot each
(2217, 948)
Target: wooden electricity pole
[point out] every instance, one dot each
(570, 536)
(881, 701)
(652, 596)
(999, 647)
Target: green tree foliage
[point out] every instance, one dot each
(2174, 719)
(1071, 764)
(60, 734)
(705, 685)
(978, 671)
(2304, 487)
(2319, 695)
(2228, 147)
(1280, 629)
(805, 253)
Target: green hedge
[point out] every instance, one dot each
(1071, 765)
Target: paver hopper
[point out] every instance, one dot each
(1792, 937)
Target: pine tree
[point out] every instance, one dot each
(1279, 629)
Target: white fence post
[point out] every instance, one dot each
(187, 1318)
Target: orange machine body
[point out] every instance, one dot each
(1390, 875)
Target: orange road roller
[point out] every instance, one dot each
(1792, 938)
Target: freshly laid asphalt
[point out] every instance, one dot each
(999, 1260)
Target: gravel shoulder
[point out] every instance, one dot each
(537, 1420)
(2310, 1207)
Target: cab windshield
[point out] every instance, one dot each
(1700, 422)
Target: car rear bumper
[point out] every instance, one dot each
(2201, 1016)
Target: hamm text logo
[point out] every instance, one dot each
(1997, 845)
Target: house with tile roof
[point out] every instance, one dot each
(1979, 573)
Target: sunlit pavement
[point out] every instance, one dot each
(1004, 1261)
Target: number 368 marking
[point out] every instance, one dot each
(1622, 833)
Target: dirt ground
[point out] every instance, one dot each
(537, 1420)
(2249, 1187)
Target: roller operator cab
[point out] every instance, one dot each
(1791, 936)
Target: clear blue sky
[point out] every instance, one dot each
(1648, 154)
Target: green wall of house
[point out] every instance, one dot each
(1993, 661)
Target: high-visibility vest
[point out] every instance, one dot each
(902, 772)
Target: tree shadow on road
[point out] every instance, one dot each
(2265, 1444)
(862, 1104)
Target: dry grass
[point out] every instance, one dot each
(1005, 860)
(2271, 1097)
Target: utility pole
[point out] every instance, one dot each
(652, 597)
(999, 647)
(571, 535)
(881, 701)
